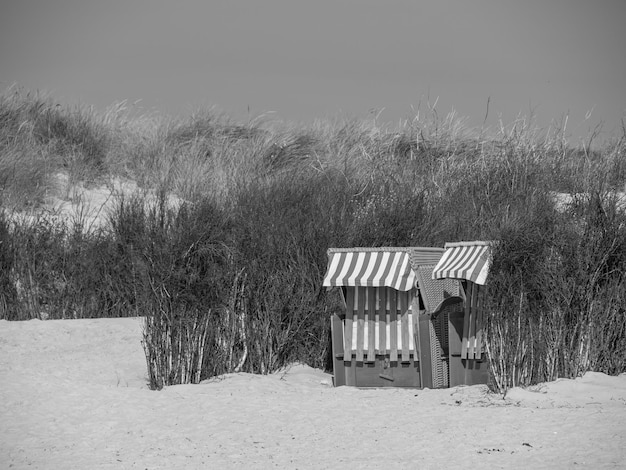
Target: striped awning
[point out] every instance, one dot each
(464, 260)
(370, 268)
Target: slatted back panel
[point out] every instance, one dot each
(471, 347)
(378, 322)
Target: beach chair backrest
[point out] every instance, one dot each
(379, 321)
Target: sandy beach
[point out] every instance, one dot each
(74, 395)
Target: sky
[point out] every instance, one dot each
(303, 60)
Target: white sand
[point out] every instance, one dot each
(90, 206)
(73, 395)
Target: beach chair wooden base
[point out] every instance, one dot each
(359, 369)
(382, 373)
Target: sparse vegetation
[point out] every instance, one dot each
(231, 279)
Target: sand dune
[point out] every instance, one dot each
(73, 395)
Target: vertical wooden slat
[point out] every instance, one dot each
(416, 342)
(416, 335)
(382, 320)
(479, 323)
(339, 371)
(393, 325)
(347, 327)
(404, 329)
(466, 320)
(472, 325)
(360, 325)
(426, 362)
(371, 324)
(416, 314)
(404, 311)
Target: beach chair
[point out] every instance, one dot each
(375, 341)
(403, 326)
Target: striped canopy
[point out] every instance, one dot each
(464, 260)
(365, 268)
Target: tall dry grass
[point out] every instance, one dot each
(231, 280)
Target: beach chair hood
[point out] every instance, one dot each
(377, 267)
(468, 261)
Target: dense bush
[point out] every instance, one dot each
(556, 294)
(230, 280)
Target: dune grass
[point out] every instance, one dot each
(231, 279)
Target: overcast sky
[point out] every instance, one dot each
(324, 58)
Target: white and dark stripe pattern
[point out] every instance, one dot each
(465, 260)
(361, 268)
